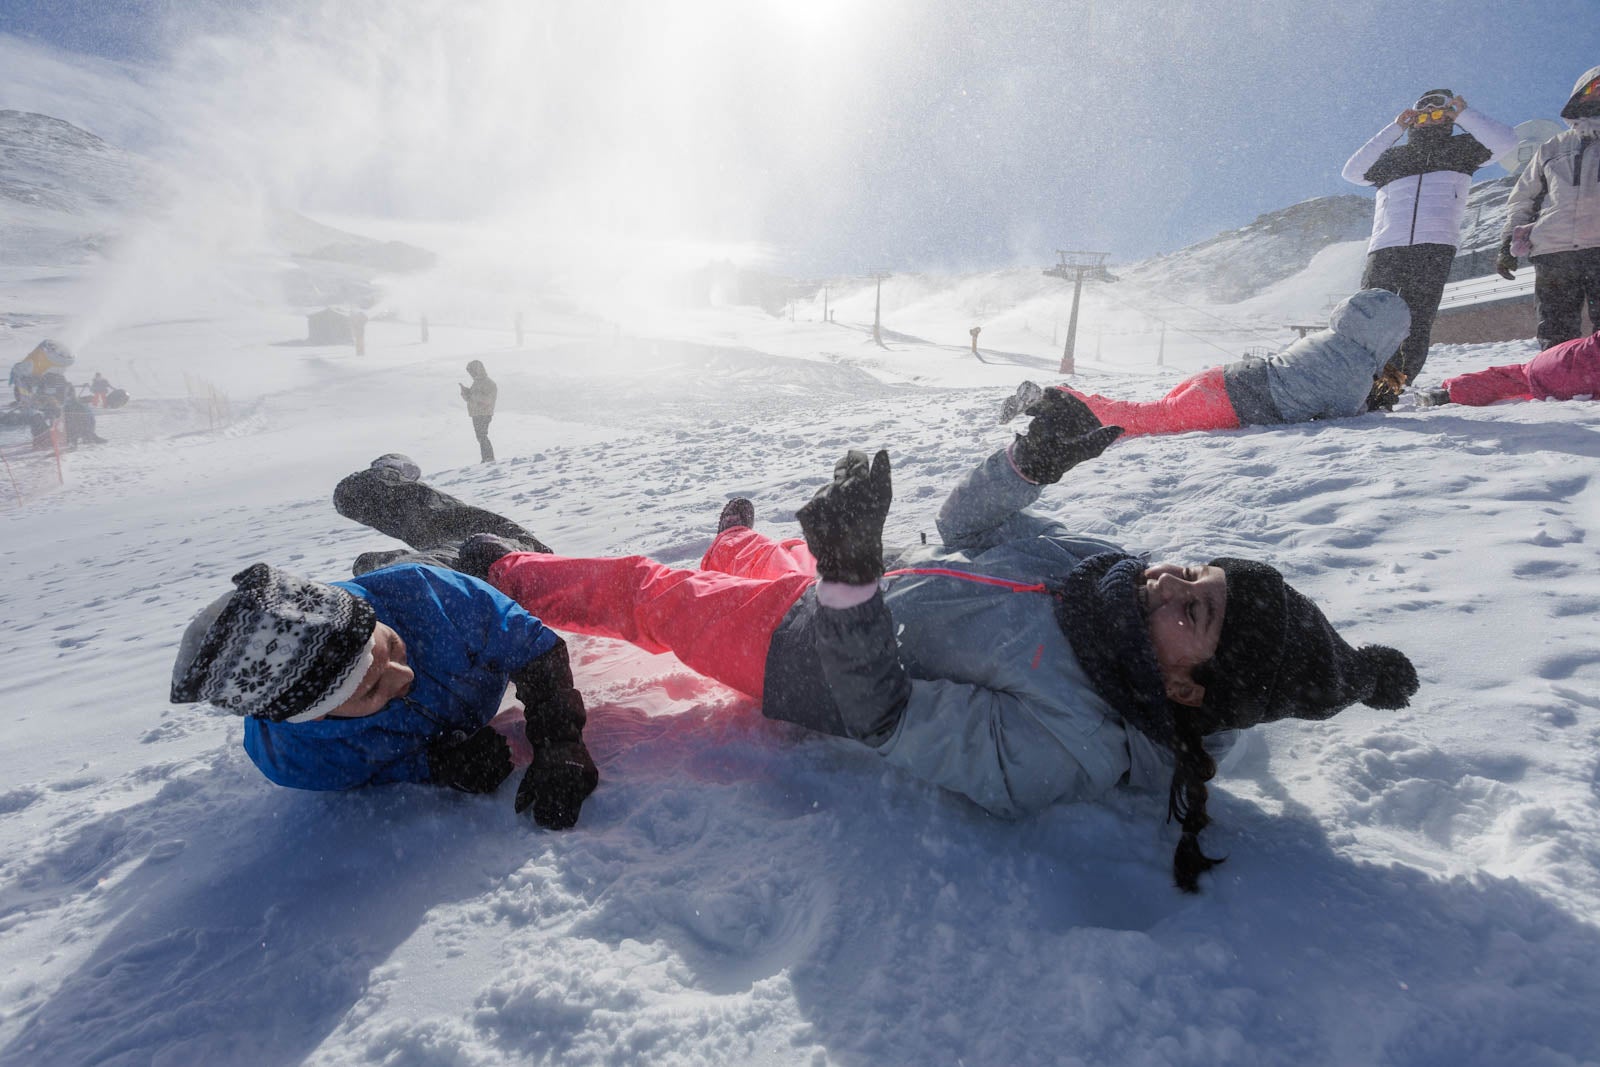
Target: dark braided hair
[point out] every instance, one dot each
(1186, 800)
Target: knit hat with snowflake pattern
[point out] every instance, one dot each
(278, 647)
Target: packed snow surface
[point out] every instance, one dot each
(1414, 887)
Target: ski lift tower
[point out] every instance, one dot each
(1075, 265)
(877, 306)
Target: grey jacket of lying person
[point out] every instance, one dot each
(1000, 709)
(1324, 375)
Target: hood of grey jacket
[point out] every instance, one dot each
(1328, 374)
(1376, 319)
(1588, 76)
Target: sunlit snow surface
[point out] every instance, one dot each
(1416, 887)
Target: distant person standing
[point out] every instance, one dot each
(98, 388)
(1422, 195)
(358, 331)
(480, 397)
(1556, 203)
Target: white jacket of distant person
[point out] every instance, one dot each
(1418, 205)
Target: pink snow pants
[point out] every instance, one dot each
(1199, 402)
(1560, 372)
(718, 620)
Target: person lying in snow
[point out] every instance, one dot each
(1560, 372)
(1325, 375)
(392, 677)
(1020, 664)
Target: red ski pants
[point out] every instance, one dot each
(1199, 402)
(1560, 372)
(718, 620)
(1481, 388)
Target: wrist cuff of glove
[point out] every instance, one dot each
(844, 594)
(1033, 467)
(1011, 457)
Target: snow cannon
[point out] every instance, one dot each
(49, 355)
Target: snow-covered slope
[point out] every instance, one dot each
(50, 164)
(737, 892)
(1240, 263)
(68, 197)
(62, 190)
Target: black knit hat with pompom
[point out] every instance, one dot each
(1279, 657)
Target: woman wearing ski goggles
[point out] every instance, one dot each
(1432, 110)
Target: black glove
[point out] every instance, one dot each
(1063, 433)
(556, 783)
(475, 764)
(1505, 264)
(1386, 390)
(843, 522)
(482, 551)
(562, 773)
(552, 706)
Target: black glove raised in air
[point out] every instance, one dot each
(475, 763)
(843, 522)
(1063, 433)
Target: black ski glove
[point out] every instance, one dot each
(562, 774)
(482, 551)
(1063, 433)
(555, 784)
(843, 522)
(1386, 390)
(475, 764)
(553, 707)
(1505, 264)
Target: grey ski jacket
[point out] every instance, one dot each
(1559, 190)
(957, 670)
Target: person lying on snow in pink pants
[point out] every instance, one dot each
(1018, 664)
(1330, 374)
(1561, 372)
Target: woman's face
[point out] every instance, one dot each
(1183, 607)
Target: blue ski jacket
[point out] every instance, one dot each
(463, 639)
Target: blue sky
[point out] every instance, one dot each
(941, 133)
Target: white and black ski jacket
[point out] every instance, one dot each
(1422, 188)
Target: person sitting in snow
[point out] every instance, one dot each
(1019, 664)
(391, 677)
(78, 423)
(1562, 372)
(1324, 375)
